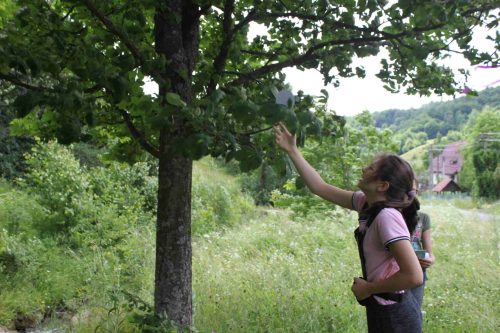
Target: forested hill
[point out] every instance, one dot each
(437, 117)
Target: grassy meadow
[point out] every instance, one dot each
(278, 275)
(262, 270)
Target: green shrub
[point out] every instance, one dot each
(12, 148)
(37, 278)
(217, 201)
(20, 213)
(301, 202)
(56, 180)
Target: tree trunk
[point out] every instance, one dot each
(178, 41)
(173, 240)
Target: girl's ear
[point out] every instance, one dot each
(383, 186)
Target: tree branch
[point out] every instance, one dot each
(310, 54)
(16, 81)
(139, 136)
(115, 30)
(70, 10)
(111, 27)
(257, 131)
(220, 59)
(313, 51)
(300, 16)
(251, 16)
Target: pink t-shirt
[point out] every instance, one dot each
(388, 227)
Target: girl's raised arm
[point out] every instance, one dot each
(311, 177)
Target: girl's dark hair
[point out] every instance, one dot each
(401, 194)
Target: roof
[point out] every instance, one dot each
(447, 185)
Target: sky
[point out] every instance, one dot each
(355, 95)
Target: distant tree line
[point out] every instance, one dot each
(481, 170)
(434, 120)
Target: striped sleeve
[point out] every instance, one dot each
(391, 227)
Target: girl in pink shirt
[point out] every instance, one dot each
(387, 210)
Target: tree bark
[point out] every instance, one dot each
(178, 41)
(173, 240)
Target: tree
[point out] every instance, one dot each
(482, 154)
(81, 64)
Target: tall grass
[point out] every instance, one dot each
(463, 288)
(278, 275)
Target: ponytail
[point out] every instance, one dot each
(410, 215)
(400, 194)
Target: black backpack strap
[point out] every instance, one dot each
(369, 214)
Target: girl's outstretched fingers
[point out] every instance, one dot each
(284, 129)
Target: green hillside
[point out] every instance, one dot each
(417, 156)
(437, 118)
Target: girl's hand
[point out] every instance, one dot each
(284, 138)
(361, 289)
(426, 263)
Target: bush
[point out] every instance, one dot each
(301, 202)
(12, 149)
(37, 277)
(69, 234)
(217, 200)
(78, 200)
(20, 214)
(56, 180)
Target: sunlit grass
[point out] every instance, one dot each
(277, 275)
(463, 287)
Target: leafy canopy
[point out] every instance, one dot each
(81, 65)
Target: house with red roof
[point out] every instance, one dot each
(448, 164)
(446, 185)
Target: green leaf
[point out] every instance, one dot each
(421, 16)
(118, 87)
(305, 117)
(25, 103)
(420, 52)
(315, 128)
(217, 96)
(249, 158)
(299, 183)
(194, 146)
(175, 100)
(244, 111)
(273, 112)
(279, 166)
(404, 4)
(324, 92)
